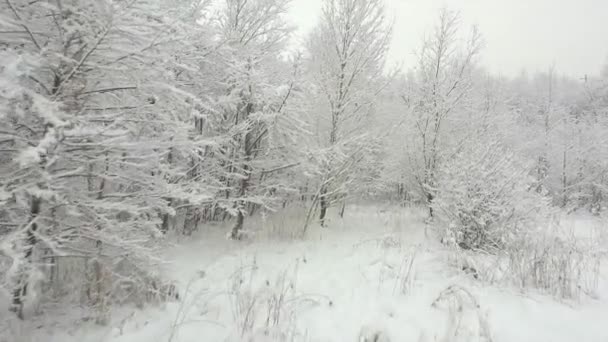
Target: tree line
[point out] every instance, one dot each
(124, 120)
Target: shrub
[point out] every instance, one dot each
(484, 197)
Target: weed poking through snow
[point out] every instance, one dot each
(265, 309)
(466, 321)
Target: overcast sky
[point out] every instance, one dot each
(519, 34)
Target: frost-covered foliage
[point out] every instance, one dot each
(488, 202)
(347, 53)
(438, 90)
(83, 175)
(253, 106)
(560, 124)
(485, 199)
(127, 122)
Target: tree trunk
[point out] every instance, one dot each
(564, 180)
(98, 291)
(164, 228)
(342, 209)
(166, 218)
(21, 287)
(323, 205)
(235, 234)
(247, 150)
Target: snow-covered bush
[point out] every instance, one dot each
(466, 319)
(486, 201)
(545, 258)
(484, 198)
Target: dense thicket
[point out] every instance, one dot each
(124, 121)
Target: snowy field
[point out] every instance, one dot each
(376, 275)
(219, 171)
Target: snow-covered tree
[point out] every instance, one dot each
(253, 107)
(444, 82)
(557, 122)
(88, 115)
(346, 51)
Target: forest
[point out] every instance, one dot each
(184, 162)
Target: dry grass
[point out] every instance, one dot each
(563, 267)
(266, 308)
(567, 269)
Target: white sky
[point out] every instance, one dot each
(519, 34)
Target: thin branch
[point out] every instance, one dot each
(107, 90)
(264, 172)
(27, 29)
(82, 60)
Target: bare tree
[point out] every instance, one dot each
(444, 81)
(347, 52)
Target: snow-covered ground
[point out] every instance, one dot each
(376, 274)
